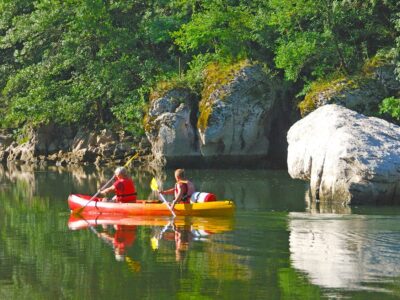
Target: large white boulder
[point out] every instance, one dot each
(346, 156)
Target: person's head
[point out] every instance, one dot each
(179, 174)
(121, 172)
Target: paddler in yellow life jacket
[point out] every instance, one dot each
(183, 188)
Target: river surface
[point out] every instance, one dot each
(276, 246)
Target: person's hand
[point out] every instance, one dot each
(162, 192)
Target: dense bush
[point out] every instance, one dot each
(93, 63)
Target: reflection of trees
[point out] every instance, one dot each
(255, 189)
(18, 180)
(58, 181)
(46, 260)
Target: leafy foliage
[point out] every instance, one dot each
(81, 62)
(93, 63)
(318, 37)
(391, 106)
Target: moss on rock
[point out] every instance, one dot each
(325, 89)
(328, 90)
(382, 58)
(216, 75)
(163, 87)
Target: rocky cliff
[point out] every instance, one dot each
(241, 119)
(67, 145)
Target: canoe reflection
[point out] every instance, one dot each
(120, 231)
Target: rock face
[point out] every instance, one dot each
(363, 96)
(362, 93)
(171, 128)
(65, 145)
(346, 156)
(235, 123)
(236, 119)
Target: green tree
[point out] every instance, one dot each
(226, 30)
(320, 37)
(94, 62)
(85, 62)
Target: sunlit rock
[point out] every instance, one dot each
(241, 119)
(170, 128)
(238, 116)
(346, 156)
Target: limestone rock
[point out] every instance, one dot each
(386, 75)
(346, 156)
(63, 145)
(170, 128)
(243, 110)
(237, 118)
(362, 93)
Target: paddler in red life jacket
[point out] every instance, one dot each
(183, 188)
(123, 238)
(123, 187)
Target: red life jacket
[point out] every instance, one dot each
(125, 190)
(124, 236)
(187, 190)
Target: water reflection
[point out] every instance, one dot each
(246, 257)
(315, 206)
(250, 189)
(120, 231)
(346, 251)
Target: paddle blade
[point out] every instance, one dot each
(133, 265)
(154, 185)
(132, 158)
(154, 243)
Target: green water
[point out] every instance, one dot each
(275, 247)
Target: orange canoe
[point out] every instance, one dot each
(82, 204)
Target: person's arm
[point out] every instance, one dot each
(178, 197)
(108, 190)
(167, 192)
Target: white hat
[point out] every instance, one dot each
(120, 171)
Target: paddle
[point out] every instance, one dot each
(154, 240)
(78, 211)
(154, 187)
